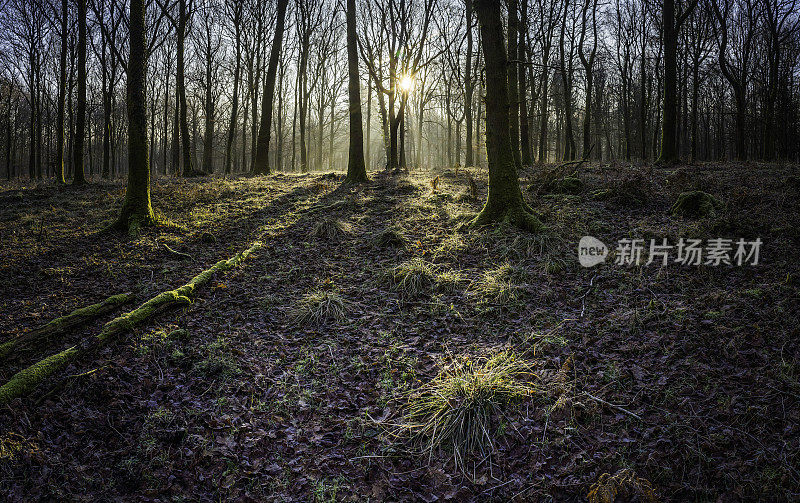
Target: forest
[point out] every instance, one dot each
(400, 250)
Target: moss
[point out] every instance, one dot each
(26, 380)
(696, 204)
(64, 323)
(566, 185)
(518, 216)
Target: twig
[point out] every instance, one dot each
(175, 252)
(613, 406)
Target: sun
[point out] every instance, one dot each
(406, 83)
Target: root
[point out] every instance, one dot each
(519, 216)
(63, 324)
(26, 380)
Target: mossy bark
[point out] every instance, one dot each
(504, 202)
(137, 210)
(26, 380)
(62, 324)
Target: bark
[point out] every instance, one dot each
(236, 75)
(512, 77)
(137, 209)
(180, 84)
(261, 164)
(504, 202)
(524, 128)
(469, 86)
(356, 167)
(62, 91)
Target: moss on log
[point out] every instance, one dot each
(26, 380)
(62, 324)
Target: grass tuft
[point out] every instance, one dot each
(496, 285)
(390, 237)
(319, 307)
(457, 409)
(623, 483)
(413, 277)
(331, 229)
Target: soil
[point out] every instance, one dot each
(686, 376)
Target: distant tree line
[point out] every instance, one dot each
(623, 79)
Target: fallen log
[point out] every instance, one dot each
(26, 380)
(65, 323)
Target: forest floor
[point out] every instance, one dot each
(685, 379)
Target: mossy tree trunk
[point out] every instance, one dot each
(356, 168)
(137, 210)
(504, 202)
(261, 164)
(80, 113)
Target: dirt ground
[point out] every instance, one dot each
(685, 379)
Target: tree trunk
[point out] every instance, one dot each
(524, 128)
(180, 85)
(504, 202)
(669, 146)
(62, 91)
(261, 164)
(356, 167)
(80, 119)
(137, 209)
(513, 91)
(468, 87)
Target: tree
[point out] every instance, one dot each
(80, 119)
(356, 168)
(62, 93)
(588, 64)
(469, 86)
(504, 202)
(235, 10)
(184, 13)
(137, 210)
(671, 25)
(261, 165)
(737, 18)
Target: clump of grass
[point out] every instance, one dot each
(319, 307)
(390, 237)
(331, 229)
(496, 285)
(448, 281)
(452, 246)
(457, 409)
(624, 483)
(413, 277)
